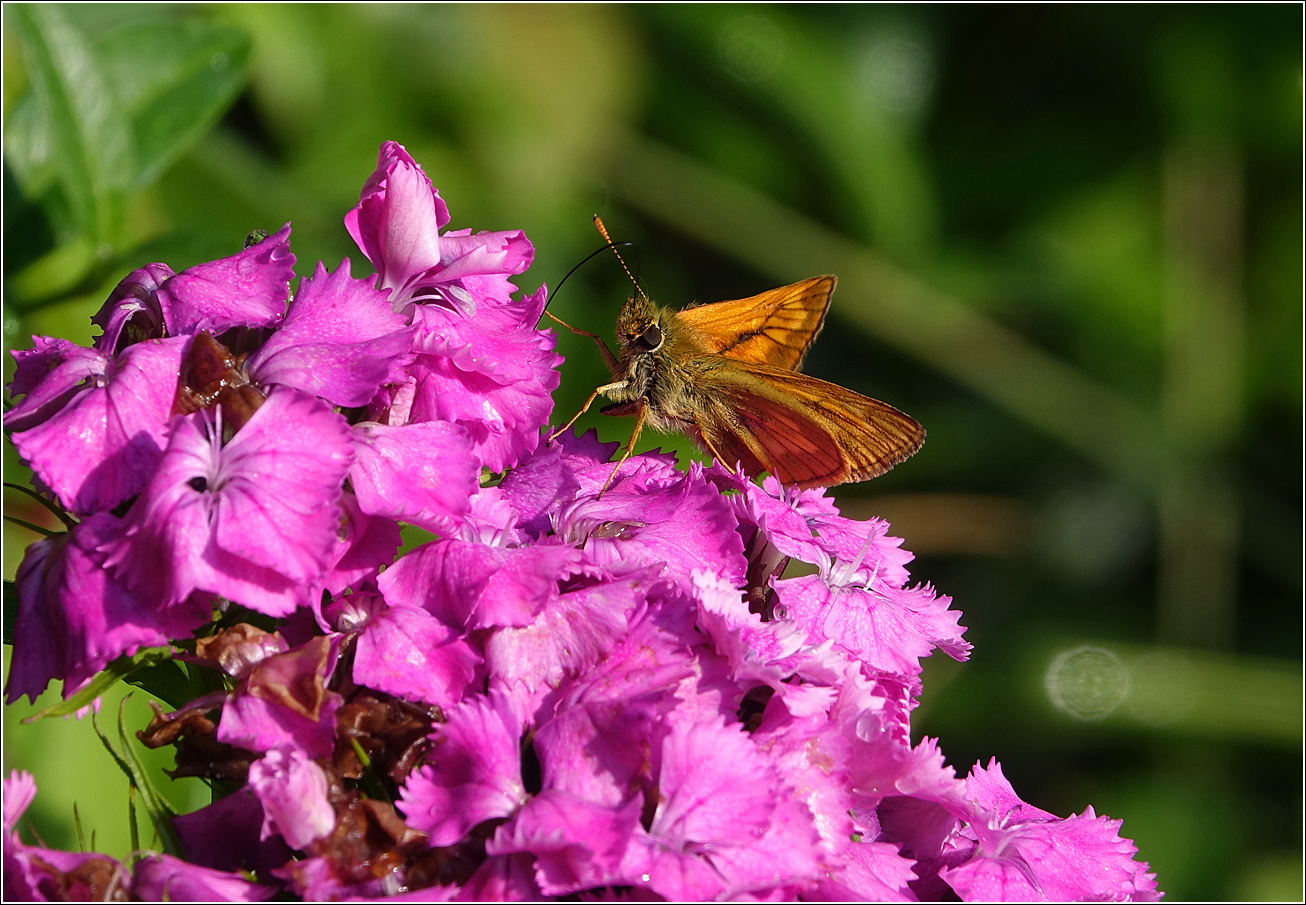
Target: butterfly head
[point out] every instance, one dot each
(639, 327)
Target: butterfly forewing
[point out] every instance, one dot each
(805, 431)
(774, 328)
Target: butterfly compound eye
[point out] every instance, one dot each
(651, 339)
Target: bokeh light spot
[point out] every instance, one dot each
(899, 74)
(751, 47)
(1087, 682)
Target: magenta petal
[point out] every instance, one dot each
(396, 224)
(364, 544)
(507, 352)
(786, 855)
(571, 635)
(473, 774)
(1027, 854)
(254, 521)
(577, 844)
(283, 701)
(225, 835)
(257, 725)
(472, 585)
(492, 520)
(508, 252)
(804, 523)
(163, 878)
(882, 558)
(283, 474)
(523, 583)
(547, 480)
(993, 792)
(503, 411)
(812, 756)
(753, 648)
(681, 521)
(423, 474)
(293, 791)
(19, 792)
(47, 375)
(36, 874)
(73, 619)
(1077, 859)
(887, 629)
(601, 749)
(406, 652)
(38, 654)
(779, 855)
(715, 785)
(503, 878)
(103, 444)
(870, 872)
(249, 288)
(133, 301)
(340, 340)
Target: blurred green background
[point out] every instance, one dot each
(1068, 239)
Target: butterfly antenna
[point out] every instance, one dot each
(603, 231)
(584, 261)
(608, 358)
(549, 314)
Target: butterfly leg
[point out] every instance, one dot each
(608, 358)
(630, 446)
(605, 389)
(721, 460)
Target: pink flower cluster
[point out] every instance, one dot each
(570, 691)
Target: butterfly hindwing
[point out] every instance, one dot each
(805, 431)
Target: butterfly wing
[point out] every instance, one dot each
(774, 328)
(807, 432)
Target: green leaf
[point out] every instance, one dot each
(90, 142)
(173, 79)
(103, 681)
(55, 273)
(166, 681)
(161, 813)
(29, 146)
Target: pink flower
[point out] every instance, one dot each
(405, 651)
(34, 873)
(724, 825)
(293, 791)
(587, 684)
(1022, 853)
(163, 878)
(74, 618)
(423, 474)
(93, 426)
(474, 773)
(249, 288)
(478, 360)
(340, 341)
(397, 223)
(283, 701)
(252, 519)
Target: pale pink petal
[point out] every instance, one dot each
(293, 791)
